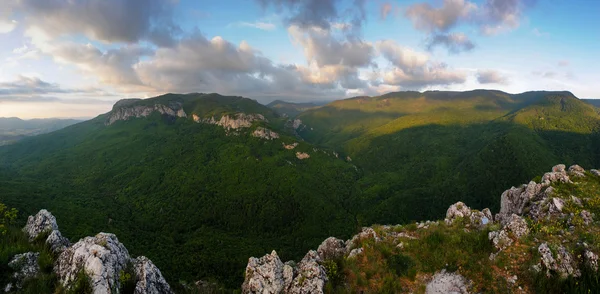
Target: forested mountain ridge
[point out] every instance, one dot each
(13, 129)
(215, 179)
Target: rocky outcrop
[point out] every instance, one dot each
(269, 275)
(576, 171)
(44, 224)
(476, 218)
(591, 260)
(331, 248)
(445, 282)
(302, 155)
(25, 267)
(233, 122)
(515, 228)
(149, 279)
(101, 258)
(125, 110)
(265, 133)
(290, 146)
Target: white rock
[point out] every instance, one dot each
(311, 275)
(331, 248)
(25, 266)
(265, 275)
(149, 279)
(450, 283)
(45, 223)
(265, 133)
(124, 111)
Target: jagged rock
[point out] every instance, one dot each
(576, 201)
(591, 260)
(547, 260)
(366, 232)
(234, 122)
(45, 223)
(558, 174)
(514, 200)
(445, 282)
(124, 111)
(576, 171)
(331, 248)
(500, 239)
(355, 252)
(587, 217)
(456, 211)
(102, 258)
(595, 172)
(559, 168)
(565, 263)
(266, 275)
(296, 124)
(517, 226)
(265, 133)
(557, 204)
(481, 218)
(311, 275)
(149, 279)
(25, 266)
(302, 155)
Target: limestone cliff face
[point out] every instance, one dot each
(126, 109)
(233, 122)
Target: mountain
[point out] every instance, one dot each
(200, 182)
(290, 109)
(13, 129)
(195, 182)
(595, 102)
(440, 147)
(545, 239)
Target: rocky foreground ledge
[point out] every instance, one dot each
(101, 258)
(541, 230)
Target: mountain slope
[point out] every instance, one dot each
(290, 109)
(420, 152)
(195, 197)
(13, 129)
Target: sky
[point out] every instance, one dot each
(76, 58)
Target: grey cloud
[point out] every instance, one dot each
(33, 89)
(431, 19)
(110, 21)
(455, 43)
(491, 77)
(497, 15)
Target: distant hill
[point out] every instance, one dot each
(13, 129)
(595, 102)
(291, 109)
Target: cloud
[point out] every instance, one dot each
(500, 15)
(491, 77)
(455, 42)
(7, 26)
(415, 70)
(319, 13)
(431, 19)
(386, 9)
(563, 63)
(265, 26)
(545, 74)
(108, 21)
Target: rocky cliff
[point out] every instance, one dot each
(126, 109)
(101, 262)
(544, 239)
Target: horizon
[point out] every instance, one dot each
(76, 59)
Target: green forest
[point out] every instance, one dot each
(199, 201)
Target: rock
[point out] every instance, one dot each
(265, 133)
(25, 266)
(558, 174)
(355, 252)
(235, 121)
(590, 260)
(559, 168)
(124, 110)
(366, 232)
(517, 226)
(149, 279)
(265, 275)
(576, 201)
(500, 239)
(576, 171)
(444, 282)
(514, 200)
(296, 124)
(595, 172)
(291, 146)
(557, 204)
(101, 258)
(513, 279)
(45, 223)
(456, 211)
(481, 218)
(565, 263)
(302, 155)
(331, 248)
(587, 217)
(311, 275)
(546, 257)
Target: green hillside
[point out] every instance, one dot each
(13, 129)
(420, 152)
(290, 109)
(195, 199)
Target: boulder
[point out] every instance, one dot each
(514, 200)
(445, 282)
(595, 172)
(565, 263)
(311, 276)
(587, 217)
(500, 239)
(25, 266)
(591, 260)
(266, 275)
(517, 226)
(357, 251)
(366, 233)
(101, 258)
(481, 218)
(149, 279)
(546, 257)
(331, 248)
(45, 223)
(457, 211)
(576, 171)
